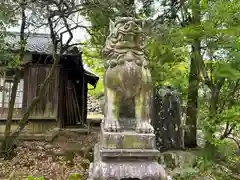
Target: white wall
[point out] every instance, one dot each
(19, 96)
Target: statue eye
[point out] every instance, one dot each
(126, 26)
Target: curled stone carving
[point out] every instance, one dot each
(126, 74)
(125, 153)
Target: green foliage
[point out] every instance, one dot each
(225, 69)
(99, 12)
(75, 177)
(186, 173)
(7, 19)
(38, 178)
(71, 177)
(225, 168)
(92, 58)
(168, 65)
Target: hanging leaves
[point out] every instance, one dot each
(225, 69)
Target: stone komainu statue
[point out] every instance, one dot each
(126, 74)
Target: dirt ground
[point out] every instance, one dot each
(50, 160)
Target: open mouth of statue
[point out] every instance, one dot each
(132, 40)
(128, 37)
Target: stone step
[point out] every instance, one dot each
(129, 153)
(95, 118)
(127, 140)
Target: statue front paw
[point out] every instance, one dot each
(144, 127)
(112, 126)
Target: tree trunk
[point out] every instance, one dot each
(7, 144)
(215, 90)
(11, 109)
(190, 139)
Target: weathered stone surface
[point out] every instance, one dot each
(178, 159)
(167, 119)
(127, 123)
(118, 169)
(130, 153)
(126, 154)
(126, 147)
(127, 140)
(127, 79)
(50, 135)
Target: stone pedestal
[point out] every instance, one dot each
(126, 155)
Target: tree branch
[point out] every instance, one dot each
(230, 95)
(228, 131)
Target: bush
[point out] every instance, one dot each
(98, 91)
(92, 59)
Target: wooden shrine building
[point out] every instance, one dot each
(65, 102)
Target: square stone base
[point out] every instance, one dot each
(125, 170)
(124, 167)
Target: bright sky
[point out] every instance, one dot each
(80, 34)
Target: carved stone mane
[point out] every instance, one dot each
(126, 74)
(123, 153)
